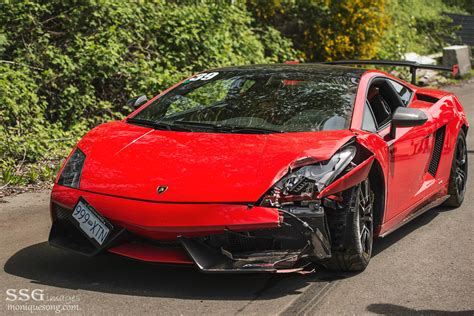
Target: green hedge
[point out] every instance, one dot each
(415, 26)
(73, 64)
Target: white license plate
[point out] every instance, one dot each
(90, 222)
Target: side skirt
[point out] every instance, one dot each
(416, 213)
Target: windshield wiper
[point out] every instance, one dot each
(141, 121)
(252, 130)
(197, 124)
(157, 124)
(229, 128)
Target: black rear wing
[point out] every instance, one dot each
(414, 66)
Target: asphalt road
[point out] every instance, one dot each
(425, 267)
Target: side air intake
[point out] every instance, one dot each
(438, 147)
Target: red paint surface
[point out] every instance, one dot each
(132, 161)
(405, 159)
(352, 178)
(166, 220)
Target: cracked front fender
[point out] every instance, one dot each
(350, 179)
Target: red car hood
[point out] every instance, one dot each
(133, 161)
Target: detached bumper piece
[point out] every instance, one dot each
(209, 260)
(302, 239)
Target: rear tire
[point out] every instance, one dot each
(458, 176)
(351, 229)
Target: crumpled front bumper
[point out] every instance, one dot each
(178, 233)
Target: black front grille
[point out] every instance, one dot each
(437, 149)
(65, 234)
(61, 213)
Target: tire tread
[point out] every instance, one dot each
(454, 200)
(346, 254)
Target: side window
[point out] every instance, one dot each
(404, 92)
(380, 107)
(368, 121)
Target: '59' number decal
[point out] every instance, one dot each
(204, 76)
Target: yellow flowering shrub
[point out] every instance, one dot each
(325, 29)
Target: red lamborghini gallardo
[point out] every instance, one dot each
(263, 168)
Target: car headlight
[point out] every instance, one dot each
(303, 183)
(71, 174)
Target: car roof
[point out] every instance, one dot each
(314, 68)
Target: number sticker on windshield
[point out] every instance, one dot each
(204, 76)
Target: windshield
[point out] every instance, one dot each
(232, 101)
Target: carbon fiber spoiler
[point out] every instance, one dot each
(413, 65)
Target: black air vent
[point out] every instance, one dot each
(426, 98)
(438, 147)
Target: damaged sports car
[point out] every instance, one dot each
(263, 168)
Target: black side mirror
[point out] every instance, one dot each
(137, 101)
(406, 117)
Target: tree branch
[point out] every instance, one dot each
(20, 64)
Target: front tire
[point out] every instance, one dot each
(458, 176)
(352, 229)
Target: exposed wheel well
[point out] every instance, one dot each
(377, 183)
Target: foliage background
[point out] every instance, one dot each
(66, 66)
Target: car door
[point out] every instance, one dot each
(408, 153)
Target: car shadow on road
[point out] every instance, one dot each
(381, 244)
(45, 265)
(391, 309)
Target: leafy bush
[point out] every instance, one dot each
(415, 26)
(464, 6)
(73, 64)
